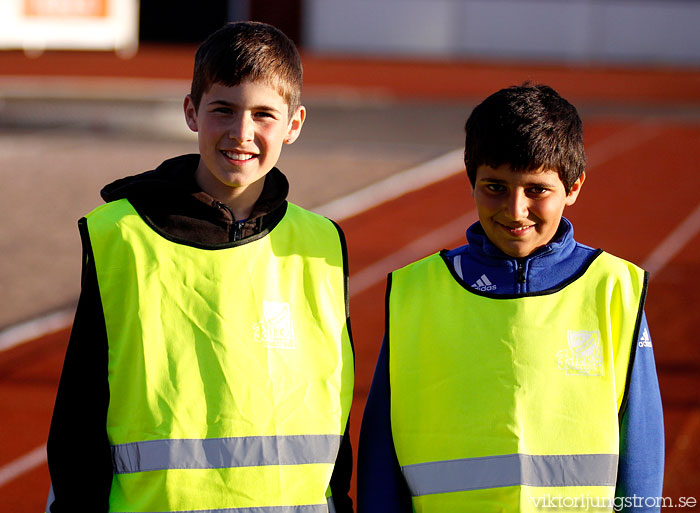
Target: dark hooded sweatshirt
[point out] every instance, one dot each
(170, 200)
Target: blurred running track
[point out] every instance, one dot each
(640, 202)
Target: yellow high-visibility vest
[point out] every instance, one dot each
(510, 403)
(230, 370)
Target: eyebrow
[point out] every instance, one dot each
(527, 184)
(225, 103)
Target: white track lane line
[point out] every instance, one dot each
(623, 141)
(673, 243)
(35, 328)
(394, 186)
(22, 464)
(420, 247)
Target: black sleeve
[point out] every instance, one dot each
(78, 449)
(342, 472)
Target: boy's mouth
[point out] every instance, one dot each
(237, 156)
(517, 230)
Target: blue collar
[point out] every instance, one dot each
(481, 248)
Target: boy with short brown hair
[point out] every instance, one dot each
(210, 365)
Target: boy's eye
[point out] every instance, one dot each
(538, 190)
(263, 114)
(223, 110)
(495, 187)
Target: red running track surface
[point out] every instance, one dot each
(642, 184)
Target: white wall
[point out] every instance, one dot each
(645, 31)
(69, 24)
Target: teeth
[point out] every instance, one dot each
(238, 156)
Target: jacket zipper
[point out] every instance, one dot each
(236, 231)
(521, 273)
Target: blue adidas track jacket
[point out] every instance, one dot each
(381, 486)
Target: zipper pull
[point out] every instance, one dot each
(236, 226)
(521, 273)
(237, 231)
(225, 208)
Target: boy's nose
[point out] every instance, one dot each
(517, 206)
(241, 129)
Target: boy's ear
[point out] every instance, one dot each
(190, 113)
(575, 189)
(295, 124)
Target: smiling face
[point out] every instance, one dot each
(520, 211)
(240, 130)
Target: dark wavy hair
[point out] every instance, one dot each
(527, 127)
(248, 50)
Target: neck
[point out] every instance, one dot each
(240, 200)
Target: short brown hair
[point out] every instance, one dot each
(248, 50)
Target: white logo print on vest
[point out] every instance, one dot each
(584, 356)
(276, 329)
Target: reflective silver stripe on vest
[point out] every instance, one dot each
(248, 451)
(313, 508)
(511, 470)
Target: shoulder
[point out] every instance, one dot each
(619, 266)
(428, 268)
(175, 174)
(310, 233)
(619, 280)
(109, 213)
(107, 224)
(310, 220)
(301, 212)
(579, 248)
